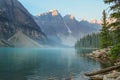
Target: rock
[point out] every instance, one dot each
(111, 76)
(14, 17)
(101, 54)
(20, 40)
(98, 55)
(118, 63)
(118, 78)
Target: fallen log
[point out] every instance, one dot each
(96, 77)
(103, 70)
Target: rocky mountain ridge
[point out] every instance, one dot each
(65, 29)
(14, 17)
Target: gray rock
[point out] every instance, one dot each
(14, 17)
(111, 76)
(65, 29)
(118, 78)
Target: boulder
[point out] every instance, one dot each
(112, 76)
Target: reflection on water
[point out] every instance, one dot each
(43, 64)
(84, 50)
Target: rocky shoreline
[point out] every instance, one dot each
(103, 57)
(100, 55)
(114, 75)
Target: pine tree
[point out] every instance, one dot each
(115, 14)
(105, 34)
(88, 41)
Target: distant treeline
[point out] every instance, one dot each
(89, 41)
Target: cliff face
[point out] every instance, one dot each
(65, 30)
(53, 25)
(14, 17)
(81, 28)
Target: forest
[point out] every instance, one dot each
(109, 35)
(89, 41)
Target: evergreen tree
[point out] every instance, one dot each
(88, 41)
(105, 34)
(115, 14)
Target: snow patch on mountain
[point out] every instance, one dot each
(54, 12)
(72, 17)
(95, 21)
(69, 31)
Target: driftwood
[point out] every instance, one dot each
(96, 77)
(103, 70)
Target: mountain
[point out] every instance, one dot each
(95, 21)
(73, 25)
(80, 28)
(89, 27)
(65, 30)
(52, 24)
(14, 17)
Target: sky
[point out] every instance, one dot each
(81, 9)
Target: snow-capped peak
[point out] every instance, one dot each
(95, 21)
(54, 12)
(72, 17)
(38, 14)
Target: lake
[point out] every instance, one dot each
(44, 64)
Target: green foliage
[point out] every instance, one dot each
(115, 51)
(109, 1)
(115, 14)
(105, 35)
(115, 33)
(89, 41)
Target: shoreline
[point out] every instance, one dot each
(102, 57)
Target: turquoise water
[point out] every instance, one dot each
(43, 64)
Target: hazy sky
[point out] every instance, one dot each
(87, 9)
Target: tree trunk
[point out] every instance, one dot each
(103, 70)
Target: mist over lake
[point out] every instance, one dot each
(44, 64)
